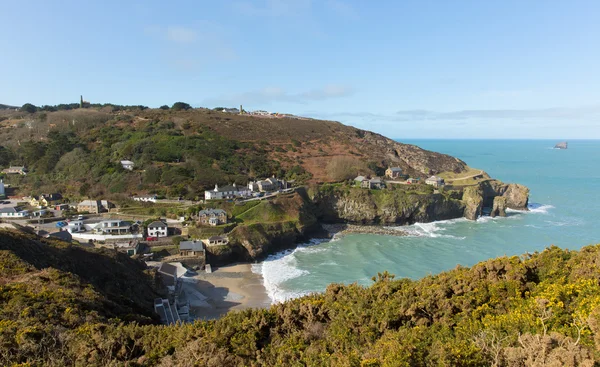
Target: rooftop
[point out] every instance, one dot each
(211, 212)
(157, 224)
(191, 245)
(166, 268)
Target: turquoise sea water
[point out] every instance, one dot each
(565, 211)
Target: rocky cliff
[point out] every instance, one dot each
(272, 226)
(335, 204)
(385, 207)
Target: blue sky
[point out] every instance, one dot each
(407, 69)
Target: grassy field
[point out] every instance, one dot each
(464, 178)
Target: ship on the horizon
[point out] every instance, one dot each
(561, 145)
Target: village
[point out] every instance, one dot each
(179, 246)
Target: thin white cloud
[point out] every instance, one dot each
(180, 34)
(566, 122)
(276, 94)
(561, 113)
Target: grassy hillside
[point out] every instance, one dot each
(181, 153)
(540, 309)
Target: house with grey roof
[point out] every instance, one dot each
(393, 172)
(14, 212)
(191, 248)
(157, 229)
(212, 217)
(226, 192)
(373, 184)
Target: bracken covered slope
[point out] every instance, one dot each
(293, 145)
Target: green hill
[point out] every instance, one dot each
(540, 309)
(183, 152)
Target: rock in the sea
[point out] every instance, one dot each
(517, 196)
(473, 200)
(499, 208)
(561, 145)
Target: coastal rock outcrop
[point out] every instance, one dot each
(561, 145)
(473, 201)
(517, 196)
(499, 207)
(384, 207)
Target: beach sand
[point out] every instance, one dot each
(227, 288)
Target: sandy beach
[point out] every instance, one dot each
(233, 287)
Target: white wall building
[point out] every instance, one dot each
(146, 199)
(226, 192)
(157, 229)
(128, 165)
(13, 212)
(2, 189)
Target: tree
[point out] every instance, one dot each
(178, 106)
(28, 107)
(164, 107)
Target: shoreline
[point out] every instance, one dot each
(336, 230)
(228, 288)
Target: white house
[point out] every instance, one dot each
(2, 190)
(146, 199)
(113, 226)
(75, 226)
(435, 181)
(13, 212)
(226, 192)
(157, 229)
(128, 165)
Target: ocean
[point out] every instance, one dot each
(564, 211)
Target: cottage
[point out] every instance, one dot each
(413, 180)
(393, 172)
(168, 274)
(38, 201)
(94, 206)
(373, 184)
(360, 179)
(217, 241)
(435, 181)
(191, 248)
(16, 170)
(226, 192)
(157, 229)
(128, 165)
(212, 217)
(269, 184)
(13, 212)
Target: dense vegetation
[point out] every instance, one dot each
(181, 151)
(82, 158)
(540, 309)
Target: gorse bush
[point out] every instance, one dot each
(540, 309)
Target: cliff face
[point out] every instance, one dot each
(517, 196)
(257, 236)
(337, 204)
(355, 205)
